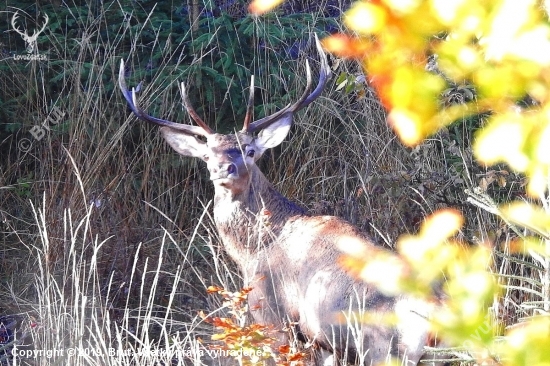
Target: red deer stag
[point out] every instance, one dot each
(286, 255)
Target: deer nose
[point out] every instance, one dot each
(224, 170)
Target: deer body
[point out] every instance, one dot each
(290, 260)
(287, 256)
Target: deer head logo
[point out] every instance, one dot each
(30, 40)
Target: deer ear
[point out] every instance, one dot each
(184, 144)
(274, 134)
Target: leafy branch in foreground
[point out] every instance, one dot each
(499, 49)
(248, 344)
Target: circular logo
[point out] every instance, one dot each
(24, 144)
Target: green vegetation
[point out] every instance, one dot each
(106, 239)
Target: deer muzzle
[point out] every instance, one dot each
(224, 171)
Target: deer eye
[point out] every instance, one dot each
(250, 153)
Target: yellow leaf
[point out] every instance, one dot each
(403, 6)
(366, 18)
(448, 10)
(502, 140)
(530, 243)
(542, 150)
(346, 46)
(528, 343)
(217, 337)
(406, 125)
(442, 225)
(259, 7)
(386, 272)
(529, 216)
(514, 32)
(212, 289)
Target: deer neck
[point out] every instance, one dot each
(251, 221)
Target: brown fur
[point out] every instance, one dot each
(289, 257)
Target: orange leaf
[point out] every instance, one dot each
(256, 307)
(223, 323)
(217, 337)
(352, 265)
(297, 356)
(346, 46)
(212, 289)
(284, 349)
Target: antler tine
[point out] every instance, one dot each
(324, 74)
(191, 111)
(301, 103)
(46, 19)
(131, 98)
(14, 26)
(306, 97)
(249, 107)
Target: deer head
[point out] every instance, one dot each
(30, 40)
(230, 158)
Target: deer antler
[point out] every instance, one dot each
(36, 32)
(191, 111)
(304, 100)
(250, 106)
(15, 28)
(131, 98)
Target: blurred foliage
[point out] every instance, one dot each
(481, 46)
(460, 271)
(500, 51)
(432, 63)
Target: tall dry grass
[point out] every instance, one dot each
(107, 240)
